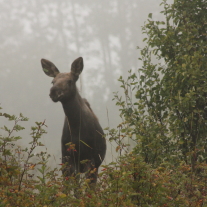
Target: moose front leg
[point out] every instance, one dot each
(91, 171)
(68, 167)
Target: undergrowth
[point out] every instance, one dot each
(27, 180)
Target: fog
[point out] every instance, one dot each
(105, 33)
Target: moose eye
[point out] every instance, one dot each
(69, 82)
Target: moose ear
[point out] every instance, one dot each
(77, 66)
(49, 68)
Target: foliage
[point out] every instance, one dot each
(129, 181)
(166, 120)
(169, 116)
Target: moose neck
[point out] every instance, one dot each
(73, 109)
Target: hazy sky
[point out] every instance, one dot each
(105, 33)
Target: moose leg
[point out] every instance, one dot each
(69, 167)
(68, 157)
(93, 174)
(91, 171)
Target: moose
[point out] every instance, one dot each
(82, 135)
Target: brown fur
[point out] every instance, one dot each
(81, 126)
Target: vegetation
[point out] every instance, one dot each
(164, 114)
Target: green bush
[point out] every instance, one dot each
(168, 116)
(129, 181)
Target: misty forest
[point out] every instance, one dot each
(141, 67)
